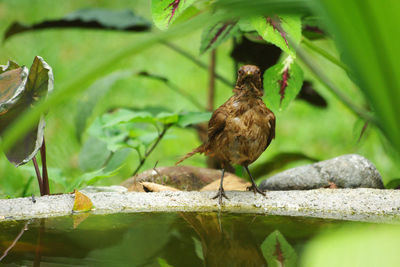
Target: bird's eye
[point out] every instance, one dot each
(240, 71)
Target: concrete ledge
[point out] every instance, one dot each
(362, 204)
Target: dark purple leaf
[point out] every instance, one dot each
(121, 20)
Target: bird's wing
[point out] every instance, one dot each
(216, 123)
(272, 123)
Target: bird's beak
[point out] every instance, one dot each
(249, 73)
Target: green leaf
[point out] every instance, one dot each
(278, 252)
(114, 137)
(163, 263)
(216, 34)
(276, 29)
(118, 159)
(245, 25)
(92, 95)
(147, 138)
(164, 12)
(312, 28)
(37, 85)
(125, 115)
(190, 118)
(282, 83)
(91, 178)
(93, 154)
(167, 117)
(95, 18)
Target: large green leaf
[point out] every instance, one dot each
(282, 83)
(96, 18)
(277, 29)
(278, 252)
(164, 12)
(93, 154)
(216, 34)
(38, 83)
(368, 36)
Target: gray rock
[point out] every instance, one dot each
(347, 171)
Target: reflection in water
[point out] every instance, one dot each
(225, 243)
(139, 239)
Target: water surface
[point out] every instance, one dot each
(141, 239)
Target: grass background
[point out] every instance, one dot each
(318, 133)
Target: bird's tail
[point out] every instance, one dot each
(200, 149)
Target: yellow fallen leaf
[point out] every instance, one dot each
(231, 182)
(82, 202)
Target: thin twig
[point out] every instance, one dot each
(211, 85)
(148, 152)
(196, 61)
(39, 177)
(46, 187)
(15, 240)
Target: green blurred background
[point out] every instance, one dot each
(315, 132)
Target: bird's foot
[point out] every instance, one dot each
(255, 189)
(220, 194)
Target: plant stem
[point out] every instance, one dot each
(39, 177)
(174, 88)
(46, 188)
(235, 62)
(196, 61)
(211, 85)
(325, 54)
(320, 76)
(148, 152)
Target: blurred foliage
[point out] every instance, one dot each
(111, 58)
(354, 245)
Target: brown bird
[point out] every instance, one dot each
(241, 128)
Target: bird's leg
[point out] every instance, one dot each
(253, 186)
(221, 191)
